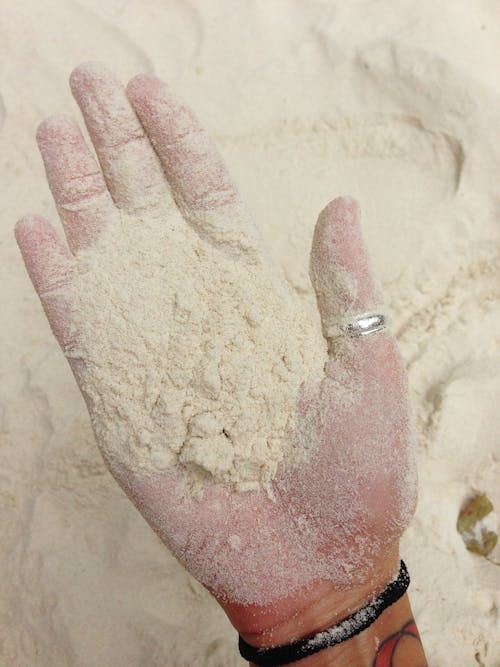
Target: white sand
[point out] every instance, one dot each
(396, 104)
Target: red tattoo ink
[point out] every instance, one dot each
(385, 653)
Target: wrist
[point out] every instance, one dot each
(311, 610)
(390, 638)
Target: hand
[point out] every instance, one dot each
(174, 319)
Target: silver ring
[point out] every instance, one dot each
(365, 325)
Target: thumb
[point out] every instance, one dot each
(340, 269)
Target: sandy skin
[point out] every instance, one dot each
(343, 512)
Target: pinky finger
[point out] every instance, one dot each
(50, 267)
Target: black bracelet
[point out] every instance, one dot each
(349, 627)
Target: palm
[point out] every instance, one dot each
(326, 512)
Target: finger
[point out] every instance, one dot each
(340, 269)
(76, 181)
(50, 267)
(198, 178)
(130, 166)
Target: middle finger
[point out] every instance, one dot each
(132, 170)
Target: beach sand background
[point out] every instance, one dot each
(395, 103)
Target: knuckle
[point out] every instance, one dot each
(129, 139)
(82, 192)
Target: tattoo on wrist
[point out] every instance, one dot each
(386, 653)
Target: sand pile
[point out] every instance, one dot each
(397, 106)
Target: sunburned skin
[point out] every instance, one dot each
(341, 485)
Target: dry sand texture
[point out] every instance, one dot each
(396, 104)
